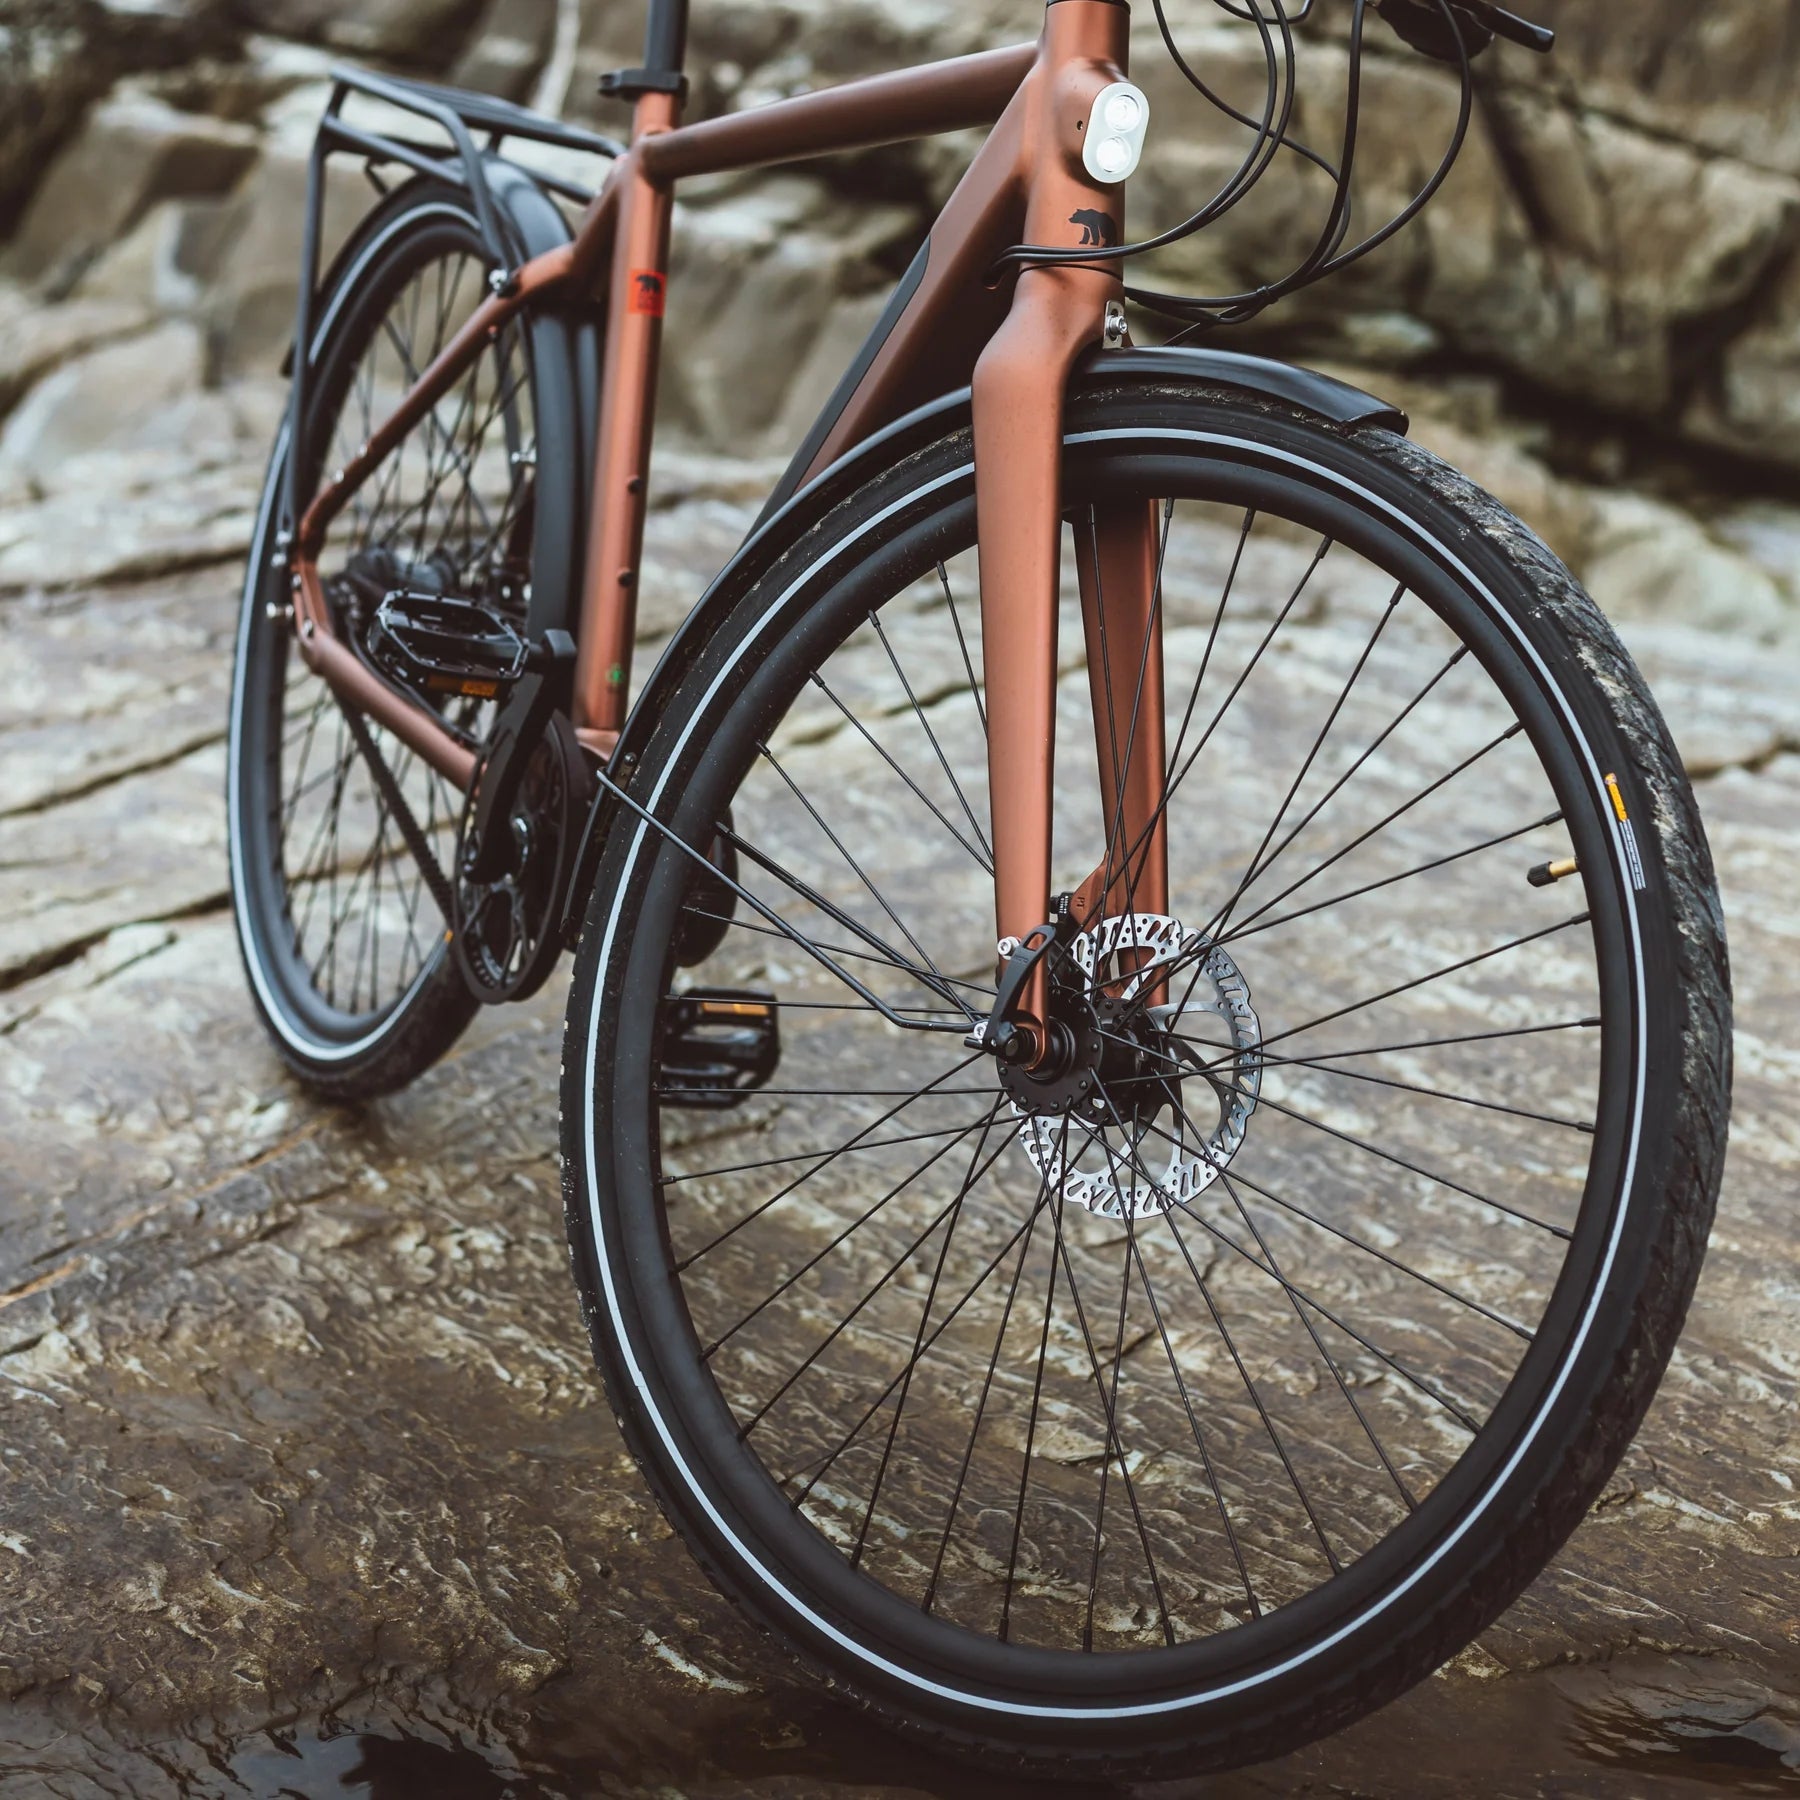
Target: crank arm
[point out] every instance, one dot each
(549, 667)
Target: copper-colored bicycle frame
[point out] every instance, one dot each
(1027, 184)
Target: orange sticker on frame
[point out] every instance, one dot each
(648, 293)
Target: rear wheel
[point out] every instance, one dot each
(341, 924)
(1198, 1412)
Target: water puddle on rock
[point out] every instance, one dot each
(1689, 1720)
(312, 1762)
(1637, 1728)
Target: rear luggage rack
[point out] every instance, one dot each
(458, 114)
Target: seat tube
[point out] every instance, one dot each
(1018, 400)
(637, 289)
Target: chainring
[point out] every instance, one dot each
(506, 932)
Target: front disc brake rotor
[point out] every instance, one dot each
(1117, 1154)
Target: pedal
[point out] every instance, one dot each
(719, 1046)
(440, 644)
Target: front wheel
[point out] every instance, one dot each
(1176, 1421)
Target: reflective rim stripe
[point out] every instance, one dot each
(319, 1050)
(823, 1627)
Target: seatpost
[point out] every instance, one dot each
(665, 37)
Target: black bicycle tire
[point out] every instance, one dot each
(408, 227)
(1674, 1188)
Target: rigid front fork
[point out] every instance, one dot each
(1118, 553)
(1059, 312)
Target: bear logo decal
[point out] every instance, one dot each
(647, 293)
(1096, 227)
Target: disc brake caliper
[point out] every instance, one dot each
(1000, 1033)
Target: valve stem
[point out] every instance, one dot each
(1548, 874)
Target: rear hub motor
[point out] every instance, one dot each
(1140, 1107)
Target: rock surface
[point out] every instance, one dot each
(309, 1477)
(308, 1482)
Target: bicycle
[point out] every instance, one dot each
(1157, 1341)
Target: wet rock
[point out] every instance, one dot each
(1720, 720)
(35, 339)
(47, 74)
(508, 48)
(107, 685)
(297, 1413)
(422, 31)
(146, 528)
(179, 492)
(151, 849)
(155, 264)
(1643, 241)
(106, 397)
(1721, 76)
(251, 253)
(299, 1396)
(756, 275)
(58, 55)
(1750, 403)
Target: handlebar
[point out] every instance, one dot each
(1422, 24)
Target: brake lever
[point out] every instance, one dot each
(1538, 38)
(1421, 23)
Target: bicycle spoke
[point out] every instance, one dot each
(817, 1468)
(1037, 1395)
(962, 643)
(937, 749)
(981, 857)
(1256, 1400)
(891, 1271)
(1431, 1093)
(813, 1261)
(1387, 881)
(912, 1362)
(871, 1003)
(1407, 987)
(856, 868)
(1187, 1406)
(987, 1386)
(1215, 927)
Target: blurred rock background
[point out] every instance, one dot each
(1600, 317)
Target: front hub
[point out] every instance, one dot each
(1138, 1108)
